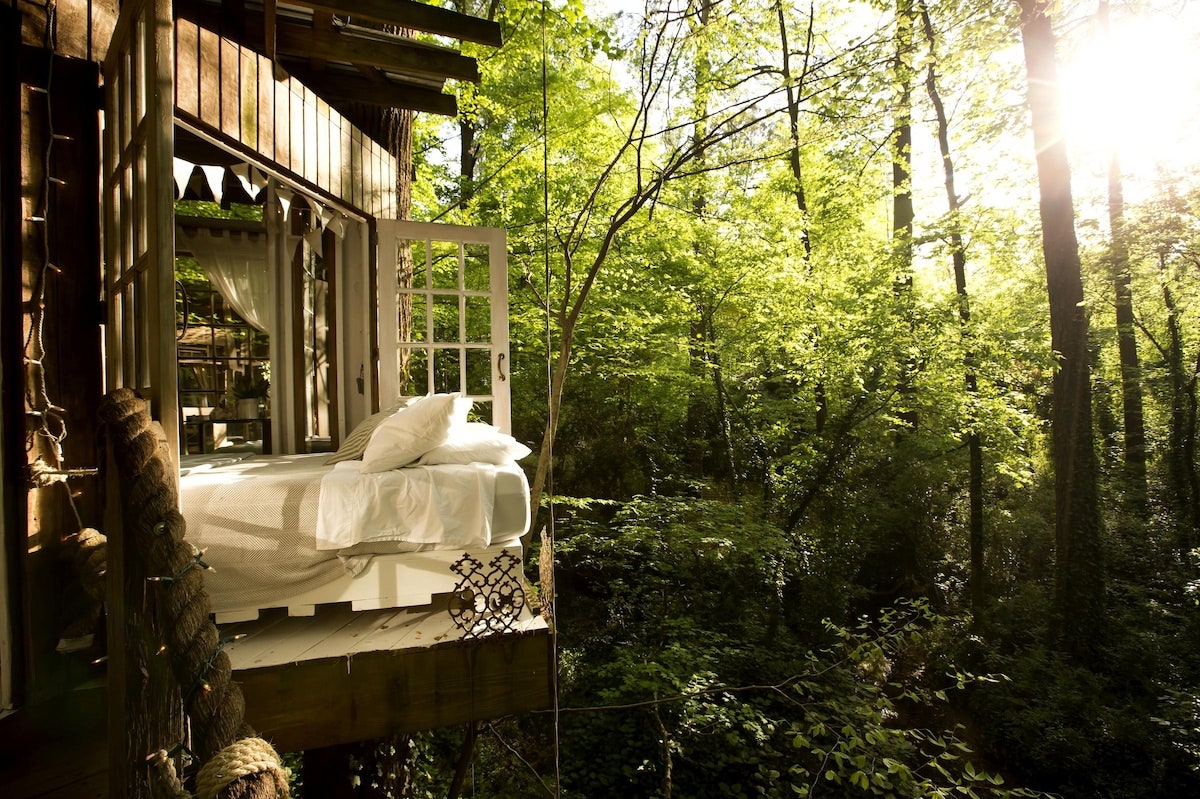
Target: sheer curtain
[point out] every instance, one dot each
(236, 264)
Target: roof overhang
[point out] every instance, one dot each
(382, 53)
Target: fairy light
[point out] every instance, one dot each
(49, 419)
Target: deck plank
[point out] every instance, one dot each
(286, 641)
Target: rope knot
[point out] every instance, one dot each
(240, 759)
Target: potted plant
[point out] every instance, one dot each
(249, 390)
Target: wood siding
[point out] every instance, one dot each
(230, 94)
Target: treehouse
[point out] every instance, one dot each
(324, 386)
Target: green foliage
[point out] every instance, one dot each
(676, 638)
(775, 435)
(212, 210)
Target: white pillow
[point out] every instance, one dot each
(462, 407)
(356, 443)
(475, 442)
(409, 433)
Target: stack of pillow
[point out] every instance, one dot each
(428, 431)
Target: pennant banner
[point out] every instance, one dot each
(183, 175)
(215, 175)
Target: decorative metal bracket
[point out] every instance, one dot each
(487, 600)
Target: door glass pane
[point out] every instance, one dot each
(445, 319)
(478, 319)
(479, 372)
(476, 267)
(418, 307)
(446, 371)
(410, 264)
(413, 368)
(445, 264)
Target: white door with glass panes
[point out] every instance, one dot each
(443, 314)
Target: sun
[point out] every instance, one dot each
(1135, 91)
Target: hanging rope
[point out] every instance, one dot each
(234, 759)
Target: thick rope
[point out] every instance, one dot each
(213, 702)
(90, 558)
(164, 780)
(243, 758)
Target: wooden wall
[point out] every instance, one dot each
(58, 182)
(231, 94)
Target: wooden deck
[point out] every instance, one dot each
(343, 676)
(332, 678)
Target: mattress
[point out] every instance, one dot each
(256, 519)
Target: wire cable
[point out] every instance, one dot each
(550, 413)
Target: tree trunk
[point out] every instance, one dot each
(902, 198)
(792, 87)
(1079, 566)
(1178, 462)
(1131, 372)
(959, 259)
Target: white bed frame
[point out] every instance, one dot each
(389, 581)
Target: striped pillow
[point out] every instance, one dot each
(356, 443)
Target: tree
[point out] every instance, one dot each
(958, 256)
(1131, 371)
(1077, 523)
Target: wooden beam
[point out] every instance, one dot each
(306, 42)
(380, 92)
(416, 16)
(375, 694)
(321, 21)
(300, 40)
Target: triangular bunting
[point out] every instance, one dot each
(250, 178)
(215, 175)
(318, 211)
(338, 226)
(285, 200)
(313, 237)
(327, 216)
(183, 175)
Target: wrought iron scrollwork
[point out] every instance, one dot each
(488, 599)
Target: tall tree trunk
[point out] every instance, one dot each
(1131, 372)
(1178, 462)
(1189, 453)
(792, 85)
(959, 259)
(1079, 566)
(902, 198)
(711, 445)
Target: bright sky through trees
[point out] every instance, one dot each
(1137, 89)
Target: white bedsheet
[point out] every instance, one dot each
(449, 505)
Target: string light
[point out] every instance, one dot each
(50, 423)
(194, 563)
(200, 683)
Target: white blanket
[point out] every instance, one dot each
(449, 505)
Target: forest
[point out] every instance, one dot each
(857, 345)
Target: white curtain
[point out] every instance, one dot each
(236, 264)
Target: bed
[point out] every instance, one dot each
(297, 531)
